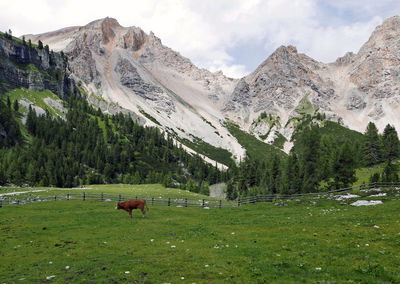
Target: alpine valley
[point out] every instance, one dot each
(124, 73)
(126, 68)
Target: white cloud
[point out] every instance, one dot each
(206, 30)
(326, 44)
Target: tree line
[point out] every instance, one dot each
(89, 147)
(322, 158)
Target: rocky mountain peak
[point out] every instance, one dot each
(384, 38)
(346, 59)
(134, 69)
(100, 23)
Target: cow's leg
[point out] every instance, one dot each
(143, 212)
(130, 212)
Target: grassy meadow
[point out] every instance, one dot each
(298, 241)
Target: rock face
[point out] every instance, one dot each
(126, 67)
(355, 89)
(33, 68)
(135, 71)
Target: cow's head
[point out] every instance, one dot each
(118, 206)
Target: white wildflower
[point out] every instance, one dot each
(50, 277)
(127, 272)
(318, 268)
(173, 246)
(67, 267)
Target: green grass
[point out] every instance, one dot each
(142, 190)
(218, 154)
(302, 242)
(37, 99)
(306, 107)
(148, 116)
(279, 140)
(363, 174)
(254, 147)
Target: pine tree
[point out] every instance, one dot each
(391, 145)
(167, 180)
(372, 145)
(16, 105)
(390, 173)
(310, 159)
(325, 157)
(230, 191)
(344, 173)
(204, 188)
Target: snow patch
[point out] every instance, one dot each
(366, 202)
(344, 197)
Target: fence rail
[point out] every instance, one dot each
(8, 200)
(102, 197)
(275, 197)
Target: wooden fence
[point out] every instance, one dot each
(102, 197)
(8, 200)
(275, 197)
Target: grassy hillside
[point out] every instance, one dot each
(340, 134)
(218, 154)
(254, 147)
(37, 98)
(306, 241)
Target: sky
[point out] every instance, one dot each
(234, 36)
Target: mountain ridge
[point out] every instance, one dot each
(136, 71)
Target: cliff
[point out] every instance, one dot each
(33, 68)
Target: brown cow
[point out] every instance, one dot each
(129, 205)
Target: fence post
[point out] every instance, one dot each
(220, 203)
(1, 203)
(203, 203)
(67, 196)
(102, 197)
(185, 202)
(55, 197)
(169, 201)
(84, 196)
(238, 201)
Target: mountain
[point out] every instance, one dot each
(354, 90)
(129, 68)
(50, 135)
(125, 67)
